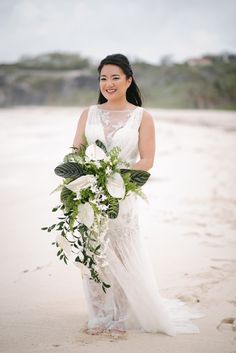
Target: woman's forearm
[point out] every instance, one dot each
(143, 164)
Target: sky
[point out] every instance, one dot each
(141, 29)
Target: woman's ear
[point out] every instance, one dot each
(129, 81)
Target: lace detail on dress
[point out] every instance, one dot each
(133, 300)
(106, 311)
(115, 128)
(112, 121)
(112, 310)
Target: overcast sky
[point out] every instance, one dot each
(144, 29)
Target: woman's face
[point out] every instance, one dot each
(113, 82)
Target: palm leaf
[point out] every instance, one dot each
(69, 170)
(101, 145)
(139, 177)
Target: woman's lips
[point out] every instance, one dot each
(110, 91)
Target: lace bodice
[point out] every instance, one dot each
(115, 128)
(113, 121)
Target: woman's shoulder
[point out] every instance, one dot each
(147, 118)
(85, 112)
(147, 115)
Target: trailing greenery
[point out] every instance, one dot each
(92, 187)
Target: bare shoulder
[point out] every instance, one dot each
(147, 119)
(84, 115)
(81, 127)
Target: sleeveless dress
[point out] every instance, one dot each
(133, 301)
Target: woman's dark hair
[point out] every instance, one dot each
(133, 94)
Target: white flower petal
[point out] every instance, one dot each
(95, 153)
(82, 182)
(86, 214)
(116, 186)
(64, 244)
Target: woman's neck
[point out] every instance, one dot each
(117, 105)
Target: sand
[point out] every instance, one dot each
(189, 228)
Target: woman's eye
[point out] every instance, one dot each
(104, 78)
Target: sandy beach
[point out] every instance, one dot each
(189, 227)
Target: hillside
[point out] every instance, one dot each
(69, 79)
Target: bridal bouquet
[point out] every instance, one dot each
(93, 185)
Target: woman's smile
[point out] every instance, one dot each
(111, 90)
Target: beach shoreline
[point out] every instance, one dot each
(188, 226)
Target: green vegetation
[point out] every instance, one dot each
(54, 61)
(69, 79)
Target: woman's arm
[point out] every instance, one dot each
(146, 143)
(79, 138)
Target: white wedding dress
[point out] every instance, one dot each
(133, 301)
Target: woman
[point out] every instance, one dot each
(133, 301)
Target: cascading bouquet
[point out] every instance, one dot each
(93, 185)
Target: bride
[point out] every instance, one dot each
(133, 301)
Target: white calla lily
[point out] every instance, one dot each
(116, 185)
(64, 244)
(95, 153)
(82, 182)
(86, 214)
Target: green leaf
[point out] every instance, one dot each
(66, 197)
(101, 145)
(104, 286)
(51, 227)
(91, 261)
(77, 259)
(55, 208)
(124, 170)
(70, 170)
(79, 242)
(44, 228)
(97, 247)
(138, 177)
(113, 209)
(59, 252)
(60, 225)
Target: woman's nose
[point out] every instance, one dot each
(110, 83)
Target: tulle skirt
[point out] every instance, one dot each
(133, 301)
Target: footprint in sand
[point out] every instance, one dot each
(232, 302)
(37, 268)
(226, 324)
(211, 235)
(189, 298)
(224, 260)
(213, 245)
